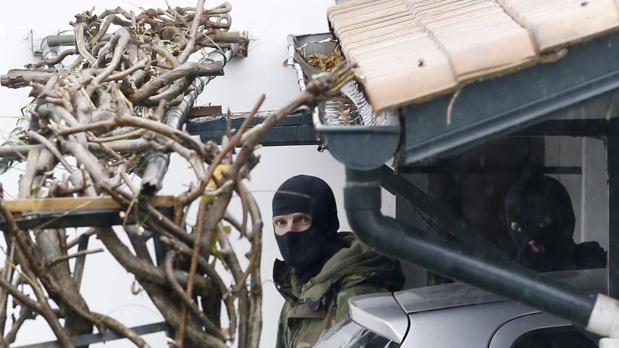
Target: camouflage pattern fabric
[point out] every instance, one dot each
(310, 310)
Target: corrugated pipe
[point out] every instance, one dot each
(15, 138)
(176, 117)
(596, 313)
(157, 163)
(58, 40)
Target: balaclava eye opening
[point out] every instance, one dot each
(307, 251)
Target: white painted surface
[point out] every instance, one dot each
(106, 285)
(604, 319)
(609, 343)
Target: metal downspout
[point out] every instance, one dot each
(362, 200)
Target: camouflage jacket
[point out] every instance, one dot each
(322, 301)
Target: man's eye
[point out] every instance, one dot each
(305, 220)
(280, 223)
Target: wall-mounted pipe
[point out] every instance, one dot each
(15, 138)
(157, 163)
(597, 313)
(59, 40)
(292, 63)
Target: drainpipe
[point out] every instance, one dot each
(596, 313)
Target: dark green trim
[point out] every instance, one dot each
(83, 340)
(578, 83)
(295, 129)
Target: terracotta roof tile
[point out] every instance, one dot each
(411, 50)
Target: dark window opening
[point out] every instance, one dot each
(558, 337)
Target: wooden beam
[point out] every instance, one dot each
(204, 111)
(77, 212)
(62, 204)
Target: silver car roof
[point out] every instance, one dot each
(460, 294)
(388, 314)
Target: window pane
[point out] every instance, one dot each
(561, 337)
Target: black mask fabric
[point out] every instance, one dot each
(305, 251)
(538, 208)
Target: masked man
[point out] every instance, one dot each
(541, 223)
(322, 268)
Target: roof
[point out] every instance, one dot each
(459, 294)
(409, 51)
(567, 68)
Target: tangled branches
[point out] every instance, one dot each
(118, 105)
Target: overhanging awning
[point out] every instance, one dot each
(571, 71)
(463, 73)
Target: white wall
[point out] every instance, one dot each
(589, 190)
(106, 285)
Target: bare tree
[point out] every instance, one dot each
(110, 112)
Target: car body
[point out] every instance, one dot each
(459, 315)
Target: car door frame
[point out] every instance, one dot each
(510, 331)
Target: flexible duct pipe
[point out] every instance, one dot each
(176, 117)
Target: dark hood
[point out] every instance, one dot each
(308, 250)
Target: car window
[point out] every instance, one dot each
(348, 334)
(557, 337)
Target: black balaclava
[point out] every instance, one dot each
(307, 251)
(541, 222)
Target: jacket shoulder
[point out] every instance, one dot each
(590, 255)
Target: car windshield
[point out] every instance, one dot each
(348, 334)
